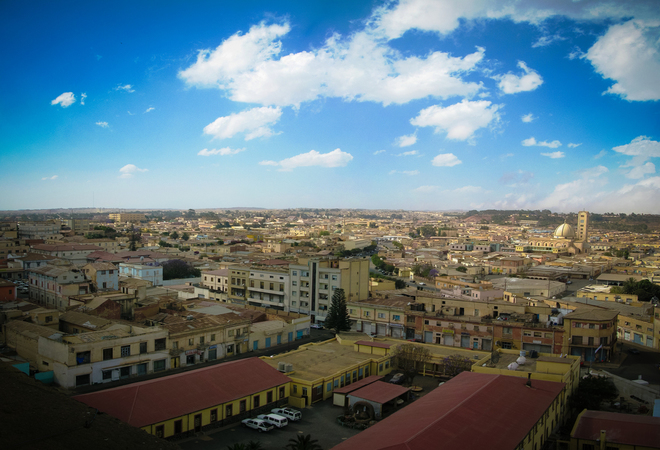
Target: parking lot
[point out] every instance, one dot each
(319, 420)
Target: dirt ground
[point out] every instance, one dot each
(35, 416)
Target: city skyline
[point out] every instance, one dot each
(414, 105)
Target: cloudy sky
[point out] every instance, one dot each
(415, 104)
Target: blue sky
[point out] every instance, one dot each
(419, 104)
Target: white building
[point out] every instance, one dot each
(151, 273)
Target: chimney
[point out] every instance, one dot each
(529, 380)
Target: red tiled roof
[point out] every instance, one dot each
(380, 392)
(472, 410)
(643, 431)
(358, 384)
(153, 401)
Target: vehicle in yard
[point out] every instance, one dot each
(289, 413)
(397, 378)
(257, 424)
(274, 419)
(421, 283)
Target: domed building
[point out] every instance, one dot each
(565, 239)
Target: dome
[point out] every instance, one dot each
(564, 231)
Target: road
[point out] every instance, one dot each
(646, 364)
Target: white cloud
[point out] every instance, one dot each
(83, 96)
(406, 141)
(149, 109)
(600, 154)
(361, 67)
(544, 41)
(527, 118)
(54, 177)
(427, 189)
(639, 171)
(468, 190)
(554, 155)
(254, 123)
(579, 193)
(220, 151)
(66, 99)
(103, 124)
(640, 146)
(460, 120)
(629, 54)
(335, 158)
(512, 84)
(378, 152)
(532, 142)
(129, 170)
(572, 145)
(410, 153)
(125, 88)
(446, 160)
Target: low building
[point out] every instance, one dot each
(601, 429)
(104, 275)
(471, 411)
(8, 291)
(379, 316)
(197, 400)
(216, 280)
(151, 273)
(53, 285)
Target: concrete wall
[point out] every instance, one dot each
(627, 388)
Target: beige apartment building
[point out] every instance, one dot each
(127, 217)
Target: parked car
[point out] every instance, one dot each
(317, 326)
(274, 419)
(289, 413)
(397, 378)
(257, 424)
(569, 282)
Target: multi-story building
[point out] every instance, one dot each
(91, 357)
(582, 233)
(269, 288)
(216, 280)
(379, 316)
(104, 275)
(52, 285)
(38, 230)
(78, 226)
(238, 282)
(146, 272)
(642, 328)
(127, 217)
(15, 247)
(591, 333)
(8, 291)
(74, 253)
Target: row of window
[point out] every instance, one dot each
(125, 350)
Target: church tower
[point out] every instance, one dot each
(583, 226)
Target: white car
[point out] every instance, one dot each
(422, 283)
(257, 424)
(289, 413)
(274, 419)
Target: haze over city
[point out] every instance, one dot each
(417, 105)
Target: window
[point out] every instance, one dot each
(231, 332)
(48, 318)
(125, 350)
(241, 406)
(334, 278)
(381, 315)
(304, 273)
(294, 293)
(230, 348)
(507, 345)
(282, 392)
(107, 354)
(328, 387)
(212, 337)
(228, 410)
(294, 283)
(143, 347)
(256, 401)
(506, 330)
(107, 375)
(175, 345)
(269, 397)
(214, 415)
(576, 340)
(527, 333)
(396, 317)
(294, 273)
(160, 431)
(159, 344)
(191, 341)
(537, 334)
(159, 365)
(201, 340)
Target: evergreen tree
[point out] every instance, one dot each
(337, 318)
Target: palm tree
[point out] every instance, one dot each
(303, 443)
(253, 445)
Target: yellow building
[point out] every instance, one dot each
(608, 430)
(379, 316)
(194, 401)
(603, 293)
(591, 333)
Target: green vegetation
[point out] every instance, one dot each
(591, 392)
(410, 359)
(644, 289)
(301, 442)
(337, 318)
(176, 268)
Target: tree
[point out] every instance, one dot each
(591, 392)
(174, 235)
(461, 269)
(190, 214)
(410, 359)
(185, 236)
(337, 318)
(455, 364)
(162, 243)
(303, 443)
(177, 268)
(133, 239)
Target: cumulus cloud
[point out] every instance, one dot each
(527, 118)
(512, 84)
(220, 151)
(149, 109)
(335, 158)
(629, 54)
(103, 124)
(572, 145)
(446, 160)
(554, 155)
(640, 171)
(64, 100)
(254, 123)
(544, 41)
(406, 141)
(125, 88)
(410, 153)
(361, 67)
(532, 142)
(642, 148)
(574, 195)
(129, 170)
(460, 120)
(83, 96)
(54, 177)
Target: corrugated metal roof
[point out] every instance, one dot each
(620, 428)
(380, 392)
(153, 401)
(358, 384)
(472, 410)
